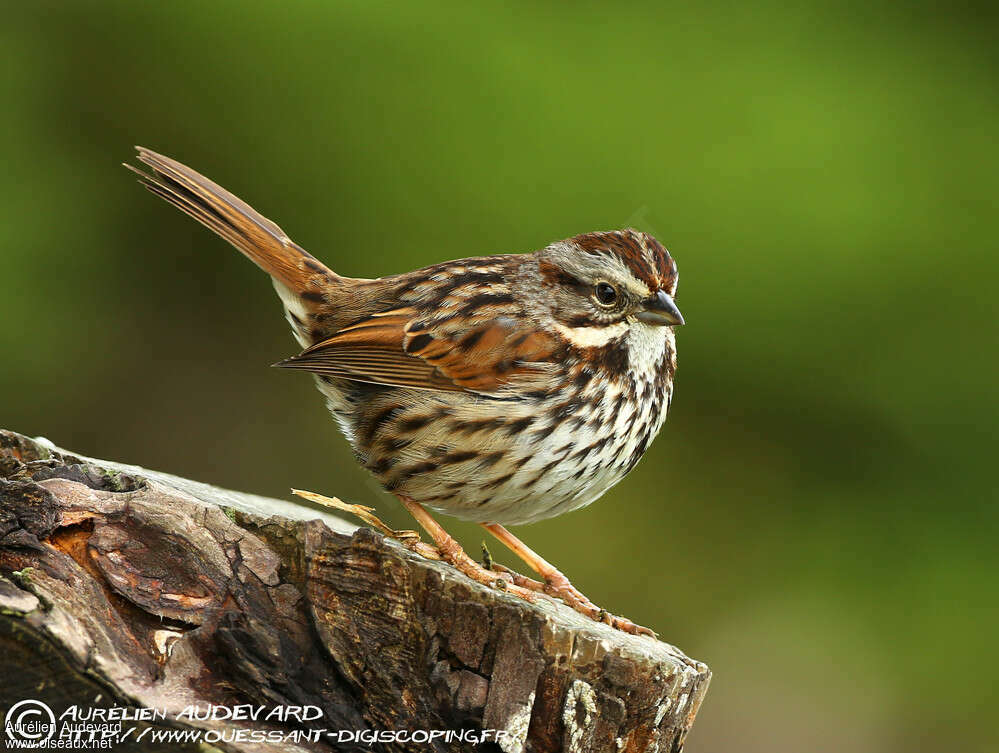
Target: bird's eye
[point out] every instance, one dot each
(606, 293)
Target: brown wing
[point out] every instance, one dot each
(396, 348)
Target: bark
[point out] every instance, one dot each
(123, 587)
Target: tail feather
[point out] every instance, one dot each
(267, 245)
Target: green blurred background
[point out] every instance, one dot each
(817, 520)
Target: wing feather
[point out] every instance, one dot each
(488, 357)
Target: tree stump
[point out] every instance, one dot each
(148, 595)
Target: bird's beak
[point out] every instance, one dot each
(660, 309)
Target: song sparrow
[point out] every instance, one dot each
(500, 389)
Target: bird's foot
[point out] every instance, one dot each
(496, 576)
(450, 551)
(557, 586)
(410, 539)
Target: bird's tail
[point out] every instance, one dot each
(258, 238)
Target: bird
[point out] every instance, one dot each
(502, 389)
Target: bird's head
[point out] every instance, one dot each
(603, 286)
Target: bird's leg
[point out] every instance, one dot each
(557, 585)
(452, 553)
(446, 549)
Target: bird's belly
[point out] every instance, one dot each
(502, 461)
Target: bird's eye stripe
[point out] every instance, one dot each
(558, 275)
